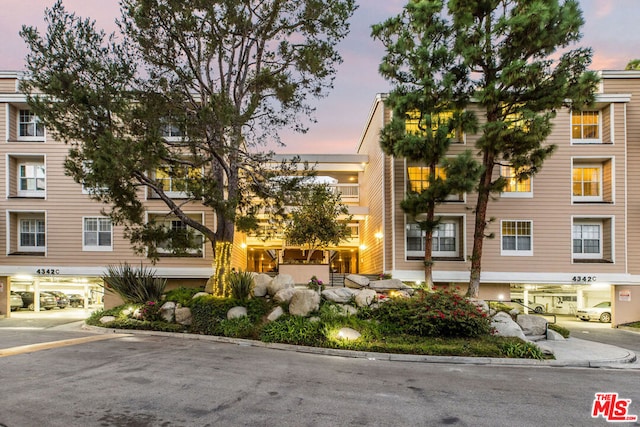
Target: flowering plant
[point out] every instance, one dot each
(315, 284)
(150, 311)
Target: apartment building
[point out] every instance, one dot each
(565, 238)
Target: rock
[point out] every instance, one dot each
(183, 315)
(389, 284)
(356, 281)
(107, 319)
(339, 295)
(167, 311)
(347, 310)
(281, 281)
(532, 324)
(200, 294)
(506, 327)
(348, 334)
(547, 351)
(275, 314)
(554, 335)
(284, 295)
(479, 303)
(366, 297)
(261, 281)
(304, 302)
(236, 312)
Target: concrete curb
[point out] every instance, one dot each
(630, 357)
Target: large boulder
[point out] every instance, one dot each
(366, 297)
(167, 310)
(200, 294)
(275, 314)
(506, 327)
(281, 281)
(237, 312)
(284, 295)
(183, 315)
(356, 281)
(261, 282)
(348, 334)
(532, 324)
(304, 302)
(388, 285)
(107, 319)
(339, 295)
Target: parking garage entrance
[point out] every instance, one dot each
(53, 292)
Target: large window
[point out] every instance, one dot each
(97, 234)
(517, 237)
(175, 181)
(587, 182)
(31, 235)
(515, 187)
(587, 240)
(180, 234)
(444, 244)
(417, 123)
(585, 126)
(31, 179)
(29, 126)
(418, 177)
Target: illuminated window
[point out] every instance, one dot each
(585, 125)
(416, 123)
(515, 187)
(587, 182)
(517, 238)
(175, 181)
(418, 177)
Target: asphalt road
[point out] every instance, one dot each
(166, 381)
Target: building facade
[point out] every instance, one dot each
(564, 239)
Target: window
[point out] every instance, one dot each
(587, 240)
(419, 177)
(444, 244)
(587, 182)
(515, 187)
(29, 126)
(585, 126)
(417, 123)
(516, 238)
(175, 181)
(181, 235)
(97, 234)
(171, 132)
(31, 235)
(31, 179)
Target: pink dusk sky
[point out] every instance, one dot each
(610, 29)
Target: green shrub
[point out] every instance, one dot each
(241, 327)
(517, 348)
(181, 295)
(293, 330)
(559, 329)
(431, 314)
(241, 284)
(134, 285)
(208, 311)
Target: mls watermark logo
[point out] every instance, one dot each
(611, 408)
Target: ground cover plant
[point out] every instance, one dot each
(438, 322)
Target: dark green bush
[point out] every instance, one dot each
(241, 284)
(208, 311)
(431, 314)
(559, 329)
(182, 295)
(241, 327)
(517, 348)
(293, 330)
(134, 285)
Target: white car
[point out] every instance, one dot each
(601, 312)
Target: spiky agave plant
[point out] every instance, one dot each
(134, 285)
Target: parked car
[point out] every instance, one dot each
(47, 301)
(601, 312)
(61, 299)
(538, 308)
(76, 300)
(16, 301)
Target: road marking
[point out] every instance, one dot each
(55, 344)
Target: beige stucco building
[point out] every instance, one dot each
(565, 239)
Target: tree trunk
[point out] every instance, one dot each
(428, 246)
(218, 284)
(484, 190)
